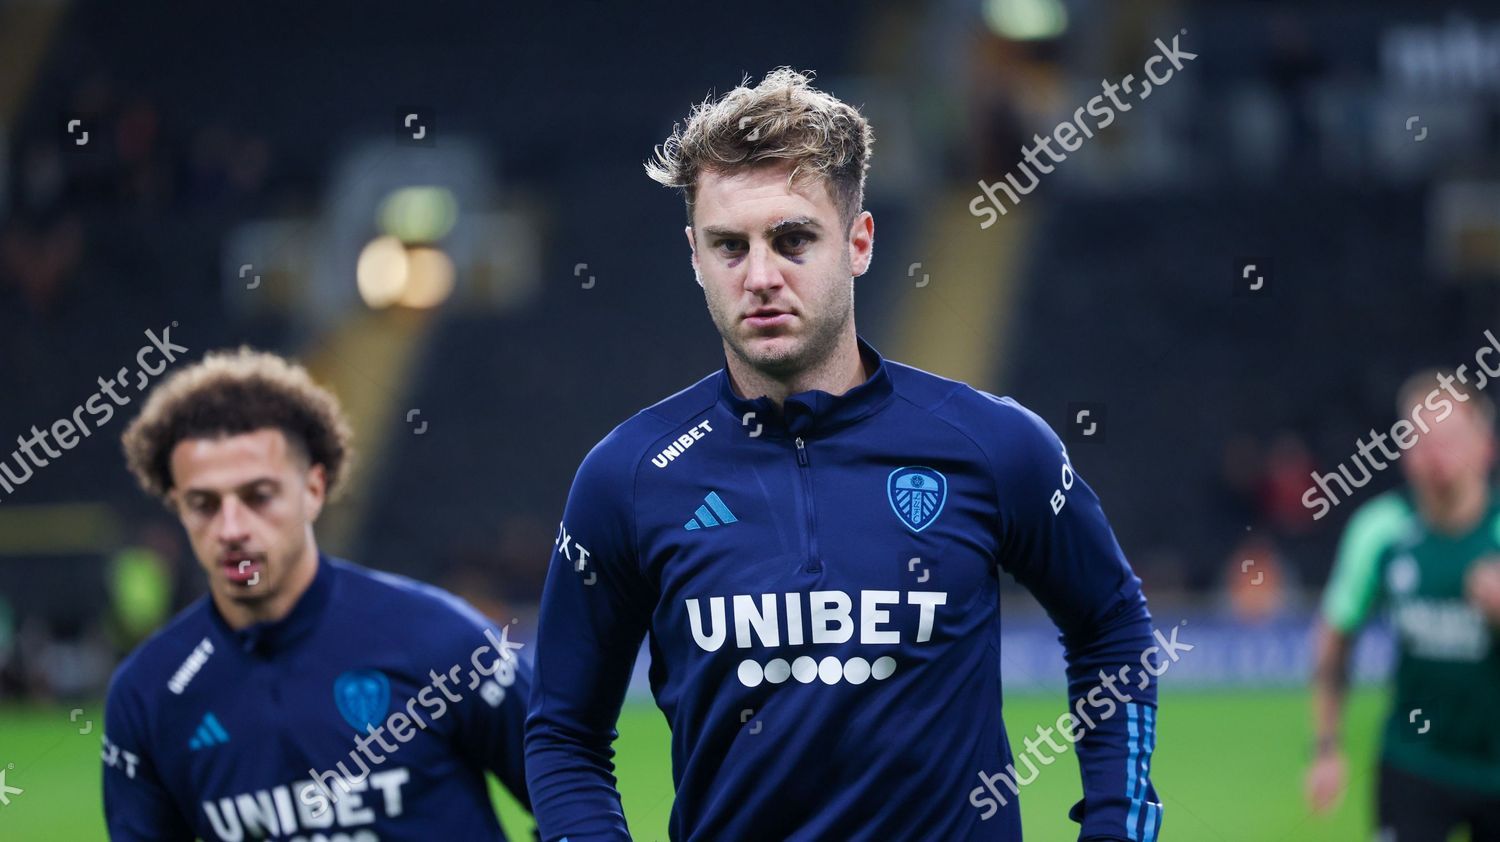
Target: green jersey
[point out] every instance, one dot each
(1445, 716)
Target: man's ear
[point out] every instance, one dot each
(861, 243)
(315, 491)
(693, 254)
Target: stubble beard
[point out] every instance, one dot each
(813, 345)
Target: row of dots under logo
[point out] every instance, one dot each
(805, 669)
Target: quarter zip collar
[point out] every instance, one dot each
(268, 639)
(814, 412)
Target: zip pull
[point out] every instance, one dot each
(801, 452)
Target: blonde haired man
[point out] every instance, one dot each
(1427, 554)
(812, 537)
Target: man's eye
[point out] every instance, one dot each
(731, 246)
(795, 243)
(202, 505)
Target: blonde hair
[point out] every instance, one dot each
(233, 392)
(1415, 389)
(784, 118)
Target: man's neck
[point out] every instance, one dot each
(838, 373)
(240, 615)
(1458, 514)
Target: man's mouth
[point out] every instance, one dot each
(768, 317)
(243, 568)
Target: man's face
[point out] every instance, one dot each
(1454, 454)
(247, 502)
(776, 265)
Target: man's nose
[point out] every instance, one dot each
(761, 272)
(234, 521)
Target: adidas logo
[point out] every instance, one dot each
(713, 512)
(210, 733)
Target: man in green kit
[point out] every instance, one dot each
(1429, 554)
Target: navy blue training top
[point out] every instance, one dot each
(219, 734)
(820, 590)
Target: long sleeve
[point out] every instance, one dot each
(137, 805)
(595, 610)
(1058, 544)
(492, 714)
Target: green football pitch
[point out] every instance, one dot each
(1228, 765)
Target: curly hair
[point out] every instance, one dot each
(783, 118)
(228, 393)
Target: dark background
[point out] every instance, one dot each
(268, 136)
